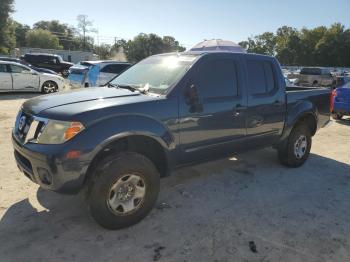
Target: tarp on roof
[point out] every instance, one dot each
(218, 45)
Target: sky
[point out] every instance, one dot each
(188, 21)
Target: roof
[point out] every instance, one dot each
(48, 54)
(11, 63)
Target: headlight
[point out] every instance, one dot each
(58, 132)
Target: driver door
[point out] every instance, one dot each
(24, 78)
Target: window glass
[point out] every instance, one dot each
(218, 78)
(260, 77)
(156, 73)
(18, 69)
(3, 68)
(114, 68)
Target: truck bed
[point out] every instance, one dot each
(318, 98)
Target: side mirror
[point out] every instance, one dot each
(192, 99)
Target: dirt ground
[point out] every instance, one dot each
(217, 211)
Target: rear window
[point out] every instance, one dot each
(310, 71)
(260, 77)
(114, 68)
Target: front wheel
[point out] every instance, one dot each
(296, 149)
(49, 87)
(123, 190)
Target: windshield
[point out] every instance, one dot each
(156, 73)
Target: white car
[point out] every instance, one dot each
(20, 78)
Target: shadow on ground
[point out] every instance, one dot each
(344, 121)
(211, 213)
(12, 96)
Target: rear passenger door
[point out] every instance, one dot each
(212, 110)
(5, 78)
(24, 78)
(266, 100)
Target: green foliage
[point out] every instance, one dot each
(7, 28)
(20, 32)
(144, 45)
(41, 38)
(103, 51)
(320, 46)
(65, 33)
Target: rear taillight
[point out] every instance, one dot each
(333, 95)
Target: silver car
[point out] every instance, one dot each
(315, 76)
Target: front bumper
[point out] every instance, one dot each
(46, 166)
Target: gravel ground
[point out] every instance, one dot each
(245, 209)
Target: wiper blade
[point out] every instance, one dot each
(131, 88)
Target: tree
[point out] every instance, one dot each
(65, 33)
(20, 32)
(7, 32)
(144, 45)
(41, 38)
(103, 51)
(84, 27)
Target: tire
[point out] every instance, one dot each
(337, 116)
(65, 73)
(49, 87)
(315, 84)
(299, 138)
(110, 193)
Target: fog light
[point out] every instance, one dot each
(45, 176)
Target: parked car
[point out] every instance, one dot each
(342, 80)
(18, 78)
(167, 111)
(95, 73)
(315, 76)
(48, 61)
(38, 69)
(340, 105)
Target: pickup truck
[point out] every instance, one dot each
(165, 112)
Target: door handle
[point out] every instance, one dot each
(237, 109)
(278, 103)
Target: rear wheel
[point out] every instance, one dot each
(49, 87)
(337, 116)
(123, 190)
(296, 149)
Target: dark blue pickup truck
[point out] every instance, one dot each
(167, 111)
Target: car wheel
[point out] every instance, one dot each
(315, 83)
(123, 190)
(337, 116)
(49, 87)
(295, 150)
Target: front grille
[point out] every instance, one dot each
(27, 127)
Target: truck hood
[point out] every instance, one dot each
(36, 105)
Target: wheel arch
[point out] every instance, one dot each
(303, 112)
(151, 146)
